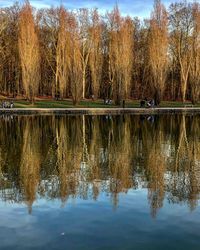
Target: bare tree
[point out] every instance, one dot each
(29, 52)
(181, 26)
(3, 24)
(120, 54)
(96, 55)
(195, 63)
(62, 53)
(48, 37)
(158, 48)
(75, 61)
(127, 55)
(86, 44)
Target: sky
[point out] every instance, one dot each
(140, 8)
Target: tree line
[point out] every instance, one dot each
(81, 54)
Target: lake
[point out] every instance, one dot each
(100, 182)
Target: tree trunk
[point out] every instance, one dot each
(83, 82)
(183, 89)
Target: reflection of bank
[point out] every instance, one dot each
(85, 156)
(149, 118)
(6, 117)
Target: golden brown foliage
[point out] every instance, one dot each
(29, 52)
(120, 54)
(195, 63)
(63, 54)
(158, 48)
(96, 55)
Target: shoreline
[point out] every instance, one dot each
(100, 111)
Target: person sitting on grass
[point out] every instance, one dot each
(151, 103)
(11, 104)
(142, 103)
(7, 104)
(108, 101)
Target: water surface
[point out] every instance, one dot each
(100, 182)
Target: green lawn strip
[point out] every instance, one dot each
(62, 104)
(93, 104)
(168, 104)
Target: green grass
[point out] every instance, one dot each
(62, 104)
(177, 104)
(43, 103)
(59, 104)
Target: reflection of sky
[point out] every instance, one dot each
(87, 224)
(141, 8)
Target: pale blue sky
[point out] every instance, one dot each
(140, 8)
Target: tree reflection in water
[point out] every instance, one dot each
(83, 156)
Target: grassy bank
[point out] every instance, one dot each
(49, 103)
